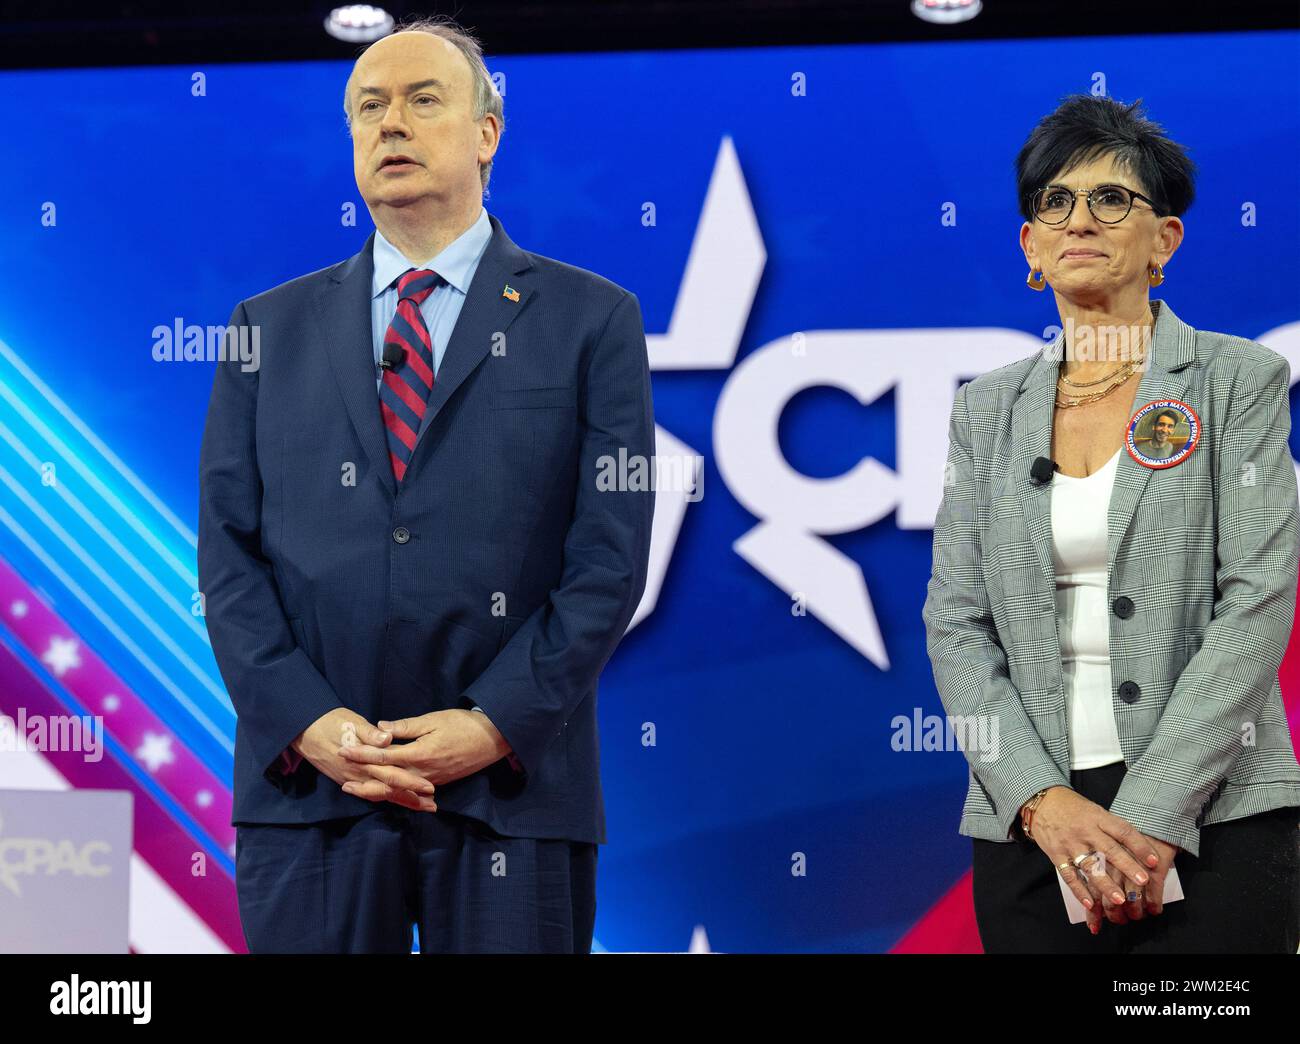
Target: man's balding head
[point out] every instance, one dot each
(423, 93)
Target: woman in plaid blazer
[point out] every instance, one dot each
(1164, 456)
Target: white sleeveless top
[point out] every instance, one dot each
(1079, 531)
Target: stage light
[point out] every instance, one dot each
(359, 23)
(946, 12)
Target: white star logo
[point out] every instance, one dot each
(18, 609)
(155, 751)
(709, 317)
(61, 656)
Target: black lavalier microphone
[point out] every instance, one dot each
(1042, 469)
(393, 355)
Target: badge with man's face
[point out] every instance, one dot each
(1163, 433)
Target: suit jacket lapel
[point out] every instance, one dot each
(1031, 437)
(1173, 346)
(343, 316)
(484, 318)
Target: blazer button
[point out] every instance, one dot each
(1129, 692)
(401, 534)
(1123, 606)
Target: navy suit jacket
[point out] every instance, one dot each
(501, 573)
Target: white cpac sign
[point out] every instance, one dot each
(923, 366)
(33, 855)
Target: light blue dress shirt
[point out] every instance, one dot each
(456, 263)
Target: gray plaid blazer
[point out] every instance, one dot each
(1205, 551)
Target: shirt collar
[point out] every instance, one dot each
(455, 263)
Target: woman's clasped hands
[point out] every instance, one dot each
(1113, 869)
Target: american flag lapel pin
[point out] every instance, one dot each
(510, 294)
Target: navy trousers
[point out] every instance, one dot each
(359, 884)
(1242, 892)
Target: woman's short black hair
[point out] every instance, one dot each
(1085, 127)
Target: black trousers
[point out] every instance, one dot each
(359, 884)
(1242, 894)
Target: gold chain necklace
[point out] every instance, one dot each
(1092, 384)
(1127, 371)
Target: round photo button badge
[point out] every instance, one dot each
(1163, 433)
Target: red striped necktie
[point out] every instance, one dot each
(404, 392)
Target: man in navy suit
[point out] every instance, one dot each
(412, 576)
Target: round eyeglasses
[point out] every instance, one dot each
(1110, 204)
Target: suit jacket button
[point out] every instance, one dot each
(1129, 692)
(401, 534)
(1123, 606)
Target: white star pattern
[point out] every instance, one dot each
(112, 702)
(155, 751)
(61, 656)
(18, 609)
(203, 798)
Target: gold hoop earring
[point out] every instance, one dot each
(1036, 283)
(1156, 275)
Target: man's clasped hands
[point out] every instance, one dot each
(401, 761)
